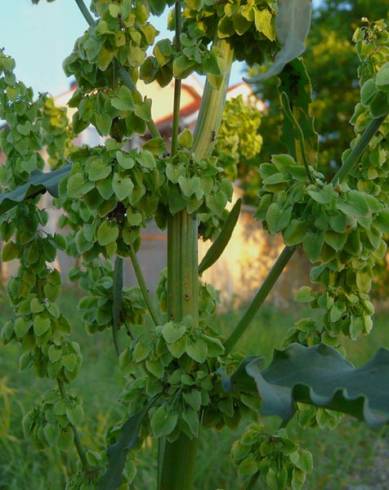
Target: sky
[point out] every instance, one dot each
(39, 37)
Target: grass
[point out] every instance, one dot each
(338, 454)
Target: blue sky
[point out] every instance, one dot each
(39, 37)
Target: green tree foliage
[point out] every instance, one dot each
(332, 64)
(239, 142)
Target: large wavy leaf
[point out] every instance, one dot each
(319, 376)
(39, 183)
(293, 22)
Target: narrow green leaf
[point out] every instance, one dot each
(117, 453)
(218, 246)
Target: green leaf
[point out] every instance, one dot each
(69, 362)
(54, 353)
(197, 350)
(124, 100)
(41, 325)
(330, 382)
(185, 138)
(335, 240)
(295, 232)
(125, 160)
(122, 186)
(219, 245)
(107, 233)
(117, 452)
(277, 218)
(304, 295)
(21, 327)
(163, 421)
(264, 23)
(172, 332)
(77, 186)
(368, 91)
(293, 22)
(39, 183)
(382, 221)
(146, 159)
(382, 77)
(10, 251)
(97, 168)
(182, 66)
(193, 399)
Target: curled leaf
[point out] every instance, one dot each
(218, 246)
(293, 22)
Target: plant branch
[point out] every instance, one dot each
(124, 75)
(85, 12)
(142, 286)
(356, 153)
(292, 119)
(287, 253)
(177, 81)
(76, 435)
(117, 292)
(260, 297)
(212, 103)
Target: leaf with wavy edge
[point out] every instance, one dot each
(319, 376)
(39, 183)
(293, 22)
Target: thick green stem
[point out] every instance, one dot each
(176, 460)
(178, 465)
(212, 103)
(349, 163)
(182, 266)
(143, 287)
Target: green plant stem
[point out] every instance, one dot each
(178, 464)
(287, 253)
(253, 481)
(176, 460)
(260, 297)
(142, 286)
(124, 75)
(85, 12)
(117, 292)
(76, 436)
(212, 103)
(358, 149)
(177, 81)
